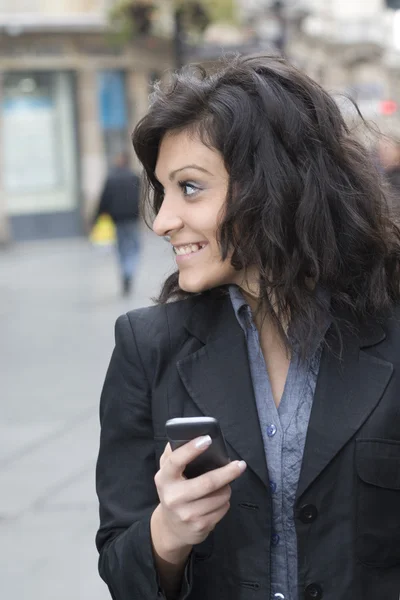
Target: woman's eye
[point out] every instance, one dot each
(189, 189)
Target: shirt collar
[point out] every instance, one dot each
(239, 305)
(242, 310)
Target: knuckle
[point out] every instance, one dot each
(208, 485)
(157, 480)
(200, 527)
(186, 516)
(227, 493)
(171, 456)
(174, 462)
(171, 501)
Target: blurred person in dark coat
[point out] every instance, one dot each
(120, 200)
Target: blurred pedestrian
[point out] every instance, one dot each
(282, 322)
(120, 200)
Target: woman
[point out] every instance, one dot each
(284, 327)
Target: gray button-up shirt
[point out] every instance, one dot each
(284, 432)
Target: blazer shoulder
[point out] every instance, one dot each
(156, 313)
(155, 325)
(396, 312)
(166, 326)
(392, 324)
(389, 342)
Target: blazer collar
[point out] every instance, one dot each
(217, 377)
(212, 316)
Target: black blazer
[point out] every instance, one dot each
(189, 358)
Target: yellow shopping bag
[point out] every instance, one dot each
(103, 231)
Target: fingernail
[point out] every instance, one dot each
(204, 441)
(242, 465)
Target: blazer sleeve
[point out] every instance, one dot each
(125, 477)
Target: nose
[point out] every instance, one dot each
(167, 220)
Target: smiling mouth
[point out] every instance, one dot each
(189, 249)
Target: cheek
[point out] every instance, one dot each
(217, 269)
(206, 218)
(215, 253)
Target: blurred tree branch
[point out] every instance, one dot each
(135, 19)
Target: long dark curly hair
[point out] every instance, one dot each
(305, 201)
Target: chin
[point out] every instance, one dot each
(195, 285)
(192, 286)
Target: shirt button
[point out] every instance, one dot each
(272, 487)
(275, 539)
(313, 592)
(271, 430)
(308, 513)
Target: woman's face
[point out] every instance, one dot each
(195, 184)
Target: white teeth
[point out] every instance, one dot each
(189, 249)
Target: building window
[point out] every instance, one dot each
(38, 123)
(30, 131)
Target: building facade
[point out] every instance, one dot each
(351, 48)
(69, 99)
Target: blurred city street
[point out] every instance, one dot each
(59, 301)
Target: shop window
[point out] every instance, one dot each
(38, 138)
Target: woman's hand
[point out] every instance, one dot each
(189, 509)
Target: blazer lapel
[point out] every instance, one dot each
(348, 389)
(218, 379)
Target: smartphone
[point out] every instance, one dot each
(180, 431)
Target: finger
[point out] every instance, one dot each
(178, 459)
(210, 482)
(193, 511)
(209, 521)
(164, 456)
(215, 516)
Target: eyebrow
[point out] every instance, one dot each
(193, 166)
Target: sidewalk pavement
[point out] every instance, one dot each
(58, 304)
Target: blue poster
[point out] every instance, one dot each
(112, 102)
